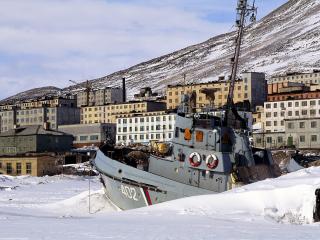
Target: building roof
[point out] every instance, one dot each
(31, 130)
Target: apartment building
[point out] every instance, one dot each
(53, 116)
(38, 103)
(251, 87)
(290, 122)
(293, 95)
(109, 113)
(143, 129)
(100, 97)
(287, 87)
(305, 78)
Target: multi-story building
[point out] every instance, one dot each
(94, 134)
(287, 87)
(290, 122)
(100, 97)
(38, 103)
(32, 150)
(54, 116)
(252, 87)
(305, 78)
(293, 95)
(109, 113)
(143, 129)
(33, 139)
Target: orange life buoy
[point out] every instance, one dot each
(195, 162)
(212, 161)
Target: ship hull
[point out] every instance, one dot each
(130, 188)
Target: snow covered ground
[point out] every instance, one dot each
(57, 208)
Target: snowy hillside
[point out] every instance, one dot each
(57, 208)
(285, 40)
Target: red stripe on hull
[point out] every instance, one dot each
(146, 193)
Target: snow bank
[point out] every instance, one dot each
(288, 199)
(79, 204)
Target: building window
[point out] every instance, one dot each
(280, 139)
(304, 112)
(296, 104)
(304, 103)
(313, 124)
(28, 168)
(289, 104)
(312, 112)
(269, 139)
(289, 113)
(268, 105)
(302, 124)
(18, 168)
(290, 125)
(268, 123)
(312, 103)
(9, 168)
(94, 137)
(268, 114)
(314, 138)
(302, 139)
(297, 113)
(83, 138)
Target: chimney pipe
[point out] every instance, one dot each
(124, 97)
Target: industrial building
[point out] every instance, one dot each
(33, 139)
(32, 150)
(94, 134)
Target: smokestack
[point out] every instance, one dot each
(124, 97)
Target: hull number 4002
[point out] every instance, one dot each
(129, 192)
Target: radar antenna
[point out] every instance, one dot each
(243, 11)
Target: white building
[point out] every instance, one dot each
(290, 122)
(142, 129)
(275, 113)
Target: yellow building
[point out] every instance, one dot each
(38, 165)
(109, 113)
(251, 87)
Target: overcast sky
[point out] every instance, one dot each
(48, 42)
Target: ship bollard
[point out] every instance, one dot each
(316, 213)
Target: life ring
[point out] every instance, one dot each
(195, 162)
(212, 161)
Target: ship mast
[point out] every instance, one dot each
(243, 11)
